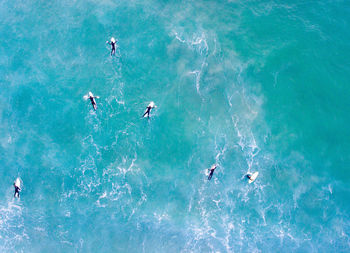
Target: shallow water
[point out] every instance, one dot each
(249, 85)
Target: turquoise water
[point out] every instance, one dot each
(249, 85)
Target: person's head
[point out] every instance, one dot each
(113, 40)
(90, 94)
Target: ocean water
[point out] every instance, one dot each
(249, 85)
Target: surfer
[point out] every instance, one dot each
(112, 43)
(252, 177)
(17, 190)
(148, 109)
(212, 171)
(92, 99)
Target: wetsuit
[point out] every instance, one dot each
(17, 190)
(92, 99)
(211, 173)
(113, 47)
(148, 111)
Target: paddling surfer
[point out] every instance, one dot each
(212, 171)
(92, 99)
(17, 190)
(148, 109)
(113, 44)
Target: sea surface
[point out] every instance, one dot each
(249, 85)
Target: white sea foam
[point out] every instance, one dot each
(12, 229)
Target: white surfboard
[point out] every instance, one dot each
(86, 97)
(18, 182)
(253, 177)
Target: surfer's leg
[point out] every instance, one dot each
(146, 113)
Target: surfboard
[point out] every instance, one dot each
(18, 182)
(253, 177)
(86, 97)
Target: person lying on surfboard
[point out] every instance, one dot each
(92, 99)
(252, 177)
(17, 190)
(148, 109)
(112, 43)
(212, 171)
